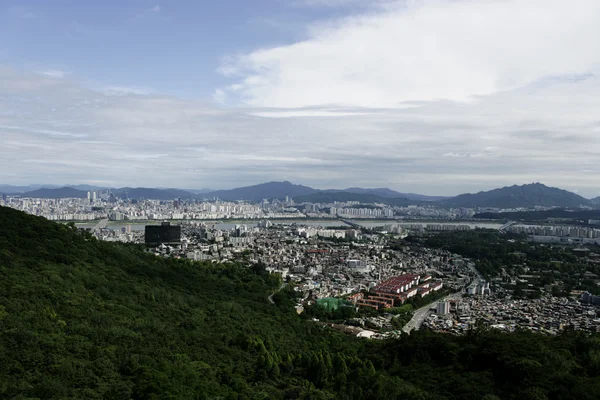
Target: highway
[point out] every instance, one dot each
(101, 225)
(350, 222)
(507, 225)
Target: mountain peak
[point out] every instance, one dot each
(519, 196)
(261, 191)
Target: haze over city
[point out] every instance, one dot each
(432, 97)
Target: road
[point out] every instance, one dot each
(101, 225)
(271, 295)
(419, 315)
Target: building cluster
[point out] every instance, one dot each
(320, 268)
(432, 212)
(351, 262)
(482, 289)
(308, 232)
(395, 291)
(95, 208)
(560, 231)
(57, 209)
(368, 273)
(434, 227)
(362, 212)
(548, 315)
(395, 229)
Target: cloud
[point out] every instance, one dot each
(423, 51)
(343, 3)
(123, 90)
(60, 131)
(146, 13)
(219, 96)
(53, 73)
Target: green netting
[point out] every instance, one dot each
(331, 303)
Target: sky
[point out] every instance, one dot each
(438, 97)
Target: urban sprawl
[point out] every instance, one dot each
(331, 257)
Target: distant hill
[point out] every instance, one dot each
(531, 195)
(200, 191)
(10, 189)
(262, 191)
(515, 196)
(88, 188)
(132, 193)
(152, 194)
(58, 193)
(302, 193)
(330, 196)
(389, 193)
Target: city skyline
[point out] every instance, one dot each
(414, 96)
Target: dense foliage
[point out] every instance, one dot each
(496, 253)
(81, 319)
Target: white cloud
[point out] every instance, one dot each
(155, 9)
(305, 113)
(53, 73)
(344, 3)
(124, 90)
(220, 96)
(424, 51)
(58, 131)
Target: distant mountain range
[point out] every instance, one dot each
(154, 194)
(199, 191)
(524, 196)
(330, 196)
(391, 194)
(58, 193)
(9, 189)
(267, 190)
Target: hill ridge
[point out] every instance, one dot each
(519, 196)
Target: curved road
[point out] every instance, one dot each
(419, 315)
(271, 295)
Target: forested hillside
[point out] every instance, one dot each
(81, 319)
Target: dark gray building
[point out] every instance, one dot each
(163, 233)
(588, 298)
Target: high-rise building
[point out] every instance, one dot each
(588, 298)
(443, 307)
